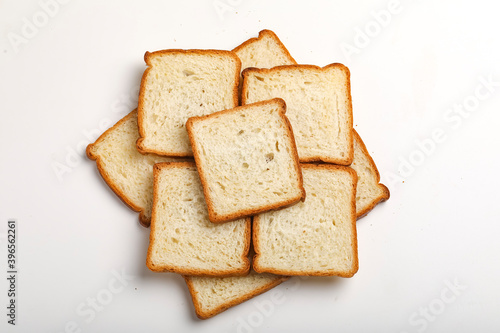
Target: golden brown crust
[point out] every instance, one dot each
(208, 273)
(350, 154)
(145, 222)
(140, 108)
(385, 191)
(205, 315)
(262, 34)
(354, 239)
(212, 215)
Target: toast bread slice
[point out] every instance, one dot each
(182, 239)
(212, 296)
(369, 192)
(316, 237)
(247, 160)
(127, 172)
(264, 51)
(179, 84)
(318, 105)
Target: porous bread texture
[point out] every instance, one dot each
(318, 105)
(314, 237)
(179, 84)
(368, 191)
(265, 51)
(127, 172)
(182, 239)
(247, 160)
(212, 296)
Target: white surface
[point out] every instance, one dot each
(441, 224)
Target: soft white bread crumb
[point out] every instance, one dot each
(368, 192)
(247, 160)
(182, 239)
(314, 237)
(265, 51)
(127, 172)
(211, 295)
(180, 84)
(318, 105)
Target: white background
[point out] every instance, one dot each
(441, 226)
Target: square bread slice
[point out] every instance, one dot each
(368, 191)
(213, 295)
(247, 160)
(182, 239)
(127, 172)
(179, 84)
(265, 51)
(314, 237)
(319, 107)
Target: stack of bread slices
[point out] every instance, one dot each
(247, 167)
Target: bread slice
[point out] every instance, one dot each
(368, 191)
(265, 51)
(319, 107)
(179, 84)
(182, 239)
(247, 160)
(127, 172)
(314, 237)
(212, 296)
